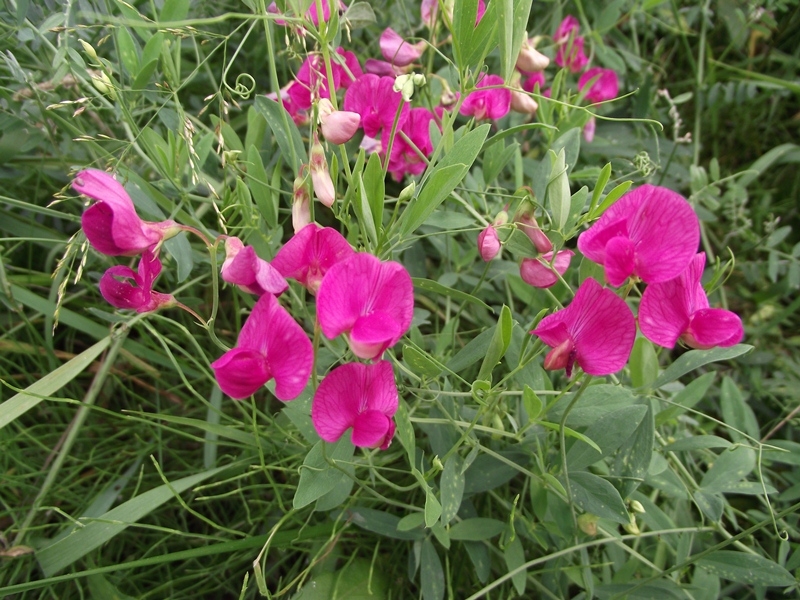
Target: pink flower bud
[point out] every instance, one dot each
(522, 103)
(301, 205)
(488, 243)
(530, 227)
(338, 126)
(250, 273)
(530, 60)
(321, 177)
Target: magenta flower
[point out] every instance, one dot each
(111, 224)
(530, 83)
(488, 103)
(310, 254)
(651, 233)
(360, 396)
(538, 272)
(596, 331)
(139, 297)
(605, 86)
(244, 269)
(488, 243)
(369, 300)
(381, 68)
(569, 25)
(572, 56)
(312, 79)
(338, 126)
(375, 100)
(678, 309)
(312, 13)
(404, 158)
(397, 51)
(271, 345)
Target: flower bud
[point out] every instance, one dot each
(320, 176)
(637, 507)
(301, 204)
(89, 49)
(531, 60)
(588, 523)
(522, 103)
(488, 243)
(407, 192)
(339, 126)
(530, 227)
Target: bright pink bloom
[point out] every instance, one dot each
(381, 68)
(568, 26)
(338, 126)
(651, 233)
(369, 300)
(244, 269)
(530, 83)
(351, 70)
(589, 129)
(299, 116)
(572, 56)
(488, 103)
(309, 255)
(678, 309)
(312, 79)
(141, 296)
(375, 100)
(111, 224)
(537, 271)
(404, 158)
(270, 345)
(311, 13)
(360, 396)
(488, 243)
(605, 86)
(596, 331)
(397, 51)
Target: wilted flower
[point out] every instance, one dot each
(271, 345)
(111, 224)
(538, 272)
(679, 309)
(139, 297)
(651, 233)
(596, 332)
(244, 269)
(360, 396)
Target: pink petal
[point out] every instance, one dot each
(620, 260)
(375, 100)
(352, 68)
(664, 312)
(568, 26)
(572, 55)
(396, 50)
(340, 126)
(530, 83)
(309, 255)
(370, 429)
(605, 86)
(123, 294)
(589, 129)
(289, 354)
(537, 271)
(711, 327)
(488, 243)
(374, 333)
(488, 104)
(553, 329)
(241, 372)
(381, 68)
(338, 401)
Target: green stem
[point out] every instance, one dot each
(562, 440)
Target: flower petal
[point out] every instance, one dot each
(620, 260)
(240, 372)
(289, 353)
(372, 334)
(711, 327)
(370, 429)
(123, 294)
(664, 312)
(338, 400)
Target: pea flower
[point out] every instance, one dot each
(605, 85)
(488, 243)
(397, 51)
(320, 175)
(566, 28)
(572, 56)
(596, 332)
(530, 227)
(538, 272)
(338, 126)
(375, 100)
(487, 103)
(312, 78)
(254, 275)
(361, 397)
(530, 83)
(530, 60)
(309, 255)
(370, 301)
(271, 345)
(651, 233)
(138, 295)
(301, 204)
(405, 158)
(111, 224)
(678, 309)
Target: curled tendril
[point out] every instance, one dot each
(644, 164)
(243, 87)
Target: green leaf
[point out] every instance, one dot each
(128, 55)
(380, 522)
(499, 344)
(764, 162)
(357, 580)
(596, 401)
(452, 487)
(633, 458)
(479, 557)
(405, 431)
(643, 363)
(375, 189)
(737, 413)
(431, 573)
(94, 534)
(570, 142)
(420, 362)
(686, 398)
(514, 556)
(558, 194)
(694, 359)
(181, 250)
(433, 509)
(711, 504)
(174, 10)
(533, 404)
(258, 182)
(576, 204)
(597, 496)
(751, 569)
(610, 198)
(600, 186)
(477, 529)
(359, 15)
(443, 179)
(512, 18)
(730, 467)
(363, 210)
(285, 131)
(608, 433)
(317, 477)
(48, 385)
(256, 129)
(698, 442)
(429, 285)
(483, 39)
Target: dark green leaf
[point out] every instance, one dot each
(429, 285)
(285, 131)
(597, 496)
(477, 529)
(431, 573)
(694, 359)
(751, 569)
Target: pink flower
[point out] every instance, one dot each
(397, 51)
(320, 176)
(530, 227)
(596, 331)
(522, 103)
(312, 13)
(271, 345)
(530, 60)
(141, 296)
(572, 56)
(488, 243)
(301, 204)
(375, 100)
(360, 396)
(678, 309)
(589, 129)
(299, 116)
(404, 158)
(369, 300)
(248, 272)
(381, 68)
(605, 86)
(538, 272)
(338, 126)
(566, 27)
(309, 255)
(312, 79)
(651, 233)
(487, 103)
(111, 224)
(530, 83)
